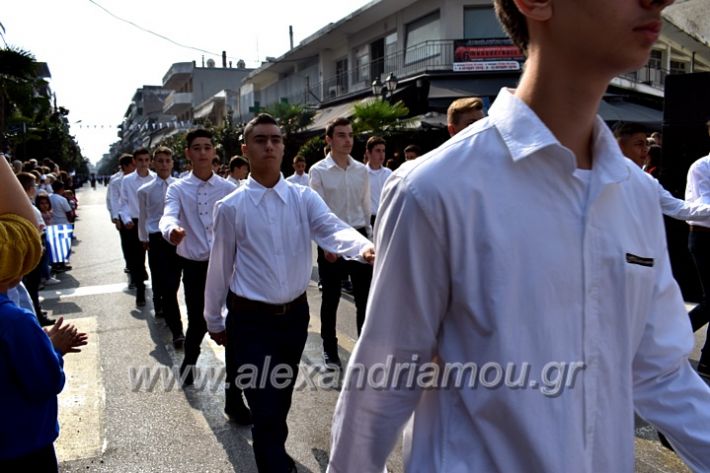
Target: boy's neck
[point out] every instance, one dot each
(340, 159)
(567, 103)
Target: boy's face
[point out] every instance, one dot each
(341, 143)
(635, 148)
(163, 164)
(240, 172)
(376, 156)
(608, 36)
(142, 162)
(200, 153)
(299, 167)
(265, 149)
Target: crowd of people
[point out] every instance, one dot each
(533, 235)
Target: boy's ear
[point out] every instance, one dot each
(538, 10)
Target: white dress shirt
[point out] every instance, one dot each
(262, 246)
(298, 179)
(113, 188)
(60, 207)
(236, 182)
(129, 194)
(697, 188)
(486, 254)
(151, 201)
(345, 191)
(680, 209)
(377, 182)
(189, 204)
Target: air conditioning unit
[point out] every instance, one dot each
(333, 91)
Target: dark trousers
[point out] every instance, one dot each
(32, 281)
(165, 277)
(135, 254)
(699, 246)
(266, 341)
(194, 277)
(331, 275)
(43, 460)
(124, 244)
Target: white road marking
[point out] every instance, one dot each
(85, 291)
(81, 403)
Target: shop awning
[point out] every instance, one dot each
(619, 110)
(469, 87)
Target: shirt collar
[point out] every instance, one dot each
(524, 134)
(257, 192)
(330, 162)
(196, 180)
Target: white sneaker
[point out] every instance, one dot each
(51, 281)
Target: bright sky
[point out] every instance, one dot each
(97, 61)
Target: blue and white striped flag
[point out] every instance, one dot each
(59, 239)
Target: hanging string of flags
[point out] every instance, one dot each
(176, 124)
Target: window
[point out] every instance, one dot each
(391, 52)
(341, 75)
(677, 67)
(481, 23)
(420, 31)
(656, 59)
(362, 64)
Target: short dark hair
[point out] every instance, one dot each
(140, 151)
(216, 160)
(298, 159)
(261, 119)
(26, 179)
(198, 133)
(374, 141)
(57, 186)
(330, 127)
(162, 150)
(125, 159)
(623, 130)
(237, 162)
(513, 22)
(414, 149)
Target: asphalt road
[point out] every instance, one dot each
(114, 421)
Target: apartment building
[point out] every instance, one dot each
(439, 50)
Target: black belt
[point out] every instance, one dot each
(698, 228)
(238, 303)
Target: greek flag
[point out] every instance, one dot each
(59, 239)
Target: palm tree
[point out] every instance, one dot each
(22, 91)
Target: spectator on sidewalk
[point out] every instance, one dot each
(463, 112)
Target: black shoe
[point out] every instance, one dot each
(238, 412)
(140, 296)
(320, 286)
(331, 359)
(126, 270)
(179, 342)
(159, 313)
(131, 286)
(187, 374)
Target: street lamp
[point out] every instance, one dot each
(387, 89)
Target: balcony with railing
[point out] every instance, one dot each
(177, 102)
(177, 74)
(428, 56)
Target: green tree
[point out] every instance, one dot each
(380, 117)
(292, 118)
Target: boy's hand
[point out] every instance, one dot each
(330, 257)
(369, 254)
(176, 235)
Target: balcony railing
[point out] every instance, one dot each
(177, 102)
(429, 56)
(649, 75)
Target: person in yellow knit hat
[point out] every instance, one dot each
(31, 361)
